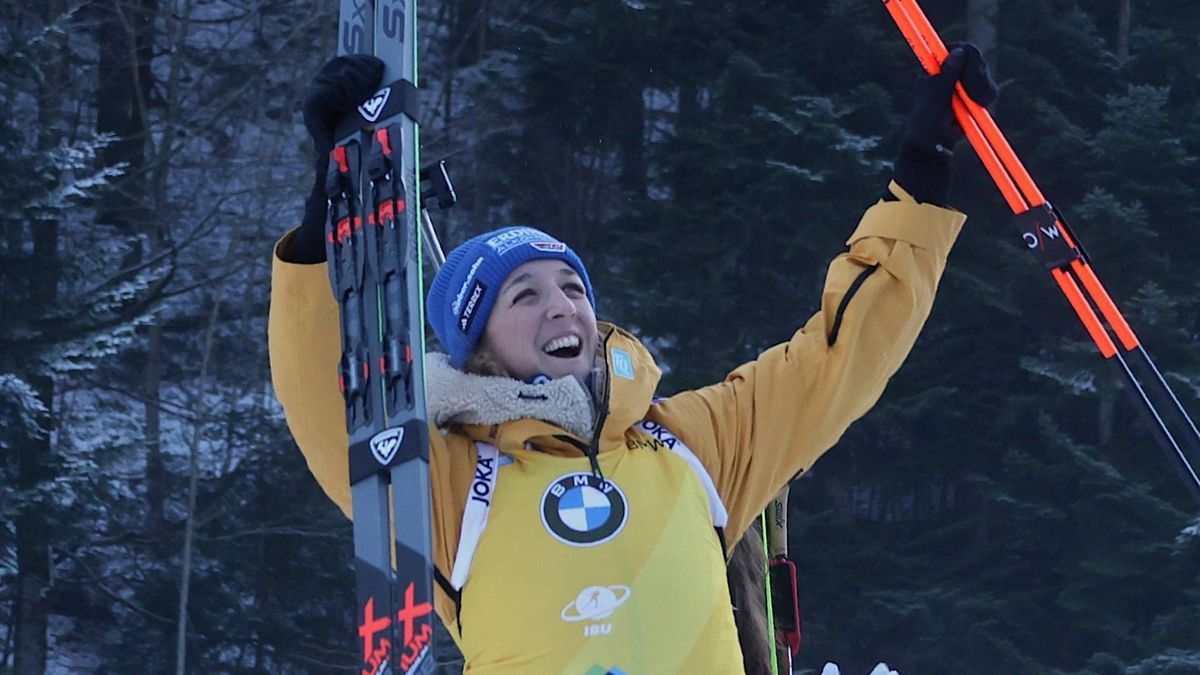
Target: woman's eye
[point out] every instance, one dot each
(521, 295)
(574, 288)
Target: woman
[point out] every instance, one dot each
(602, 546)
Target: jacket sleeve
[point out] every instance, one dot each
(305, 345)
(771, 418)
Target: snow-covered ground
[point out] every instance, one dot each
(880, 669)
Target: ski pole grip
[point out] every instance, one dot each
(440, 187)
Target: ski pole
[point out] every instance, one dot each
(1044, 232)
(783, 604)
(442, 190)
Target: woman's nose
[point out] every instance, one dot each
(560, 305)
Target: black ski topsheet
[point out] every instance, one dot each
(373, 246)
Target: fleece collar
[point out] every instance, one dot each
(513, 415)
(455, 396)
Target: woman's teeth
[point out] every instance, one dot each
(567, 342)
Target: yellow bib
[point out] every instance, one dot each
(576, 574)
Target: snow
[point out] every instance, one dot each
(1192, 530)
(880, 668)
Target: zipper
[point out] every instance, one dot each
(850, 292)
(593, 450)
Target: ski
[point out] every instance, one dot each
(373, 245)
(1044, 231)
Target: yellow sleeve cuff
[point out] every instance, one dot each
(925, 226)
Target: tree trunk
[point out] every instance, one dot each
(1107, 412)
(981, 28)
(126, 38)
(189, 531)
(467, 36)
(33, 529)
(481, 43)
(630, 133)
(119, 112)
(35, 456)
(1123, 30)
(156, 470)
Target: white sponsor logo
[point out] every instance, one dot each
(481, 487)
(659, 432)
(371, 108)
(593, 604)
(385, 444)
(549, 246)
(1032, 240)
(462, 290)
(464, 319)
(506, 241)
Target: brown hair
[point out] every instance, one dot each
(746, 574)
(481, 362)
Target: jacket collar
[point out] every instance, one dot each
(455, 396)
(492, 409)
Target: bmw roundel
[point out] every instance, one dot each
(582, 509)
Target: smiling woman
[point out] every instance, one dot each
(582, 524)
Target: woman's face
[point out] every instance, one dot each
(542, 323)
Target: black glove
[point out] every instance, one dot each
(341, 84)
(923, 168)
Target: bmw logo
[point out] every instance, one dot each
(581, 509)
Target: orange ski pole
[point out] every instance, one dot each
(981, 131)
(1046, 234)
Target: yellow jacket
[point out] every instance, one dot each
(768, 421)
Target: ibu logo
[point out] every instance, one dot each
(372, 107)
(386, 443)
(622, 363)
(594, 604)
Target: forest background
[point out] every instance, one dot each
(1000, 511)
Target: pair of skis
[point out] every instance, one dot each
(373, 248)
(1045, 233)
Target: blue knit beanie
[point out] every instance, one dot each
(464, 291)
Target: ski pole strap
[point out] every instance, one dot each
(398, 97)
(1044, 232)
